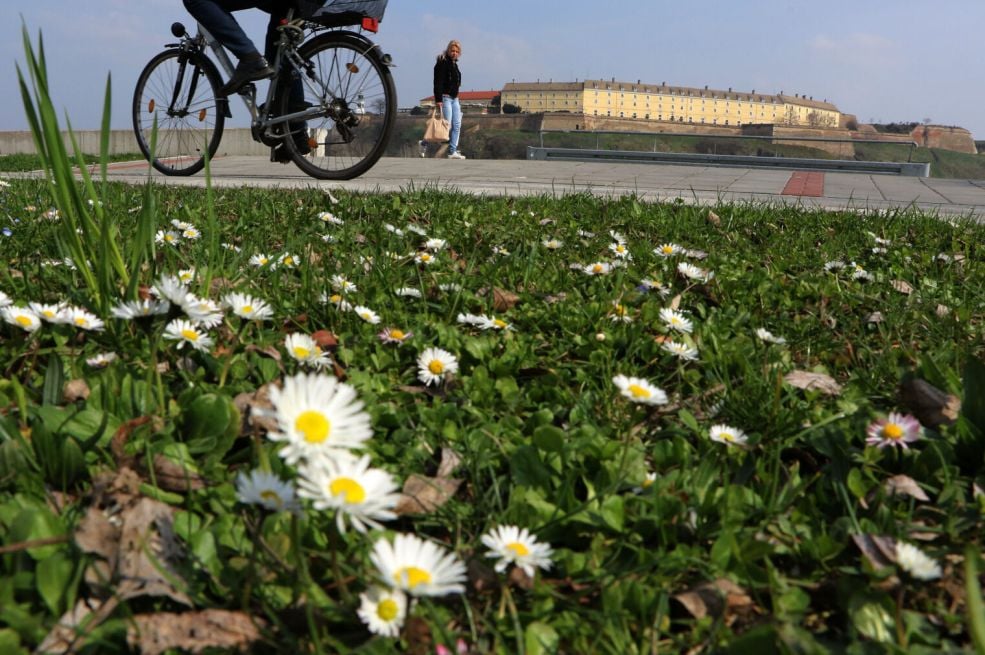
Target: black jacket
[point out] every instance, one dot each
(447, 78)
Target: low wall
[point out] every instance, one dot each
(235, 141)
(957, 139)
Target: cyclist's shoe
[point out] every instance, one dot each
(249, 69)
(279, 153)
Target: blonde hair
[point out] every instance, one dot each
(451, 44)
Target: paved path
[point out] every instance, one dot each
(706, 185)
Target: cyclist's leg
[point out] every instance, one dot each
(217, 17)
(297, 128)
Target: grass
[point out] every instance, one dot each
(545, 439)
(24, 162)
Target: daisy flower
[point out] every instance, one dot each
(181, 226)
(650, 284)
(668, 250)
(167, 238)
(202, 311)
(500, 250)
(317, 416)
(48, 312)
(288, 260)
(676, 320)
(231, 246)
(434, 365)
(471, 319)
(424, 258)
(493, 323)
(419, 231)
(834, 265)
(394, 335)
(450, 287)
(340, 283)
(304, 349)
(620, 250)
(248, 307)
(328, 238)
(261, 261)
(682, 350)
(916, 563)
(350, 487)
(102, 360)
(648, 481)
(617, 237)
(512, 545)
(692, 272)
(859, 273)
(133, 309)
(640, 391)
(765, 335)
(435, 244)
(82, 319)
(728, 435)
(170, 288)
(393, 229)
(263, 488)
(191, 233)
(895, 430)
(620, 314)
(186, 332)
(598, 268)
(187, 275)
(553, 244)
(23, 318)
(408, 292)
(329, 217)
(367, 314)
(5, 300)
(383, 610)
(421, 568)
(585, 234)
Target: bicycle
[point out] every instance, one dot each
(343, 120)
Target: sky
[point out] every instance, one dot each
(882, 60)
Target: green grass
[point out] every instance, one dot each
(22, 163)
(545, 439)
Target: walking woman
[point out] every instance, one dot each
(447, 80)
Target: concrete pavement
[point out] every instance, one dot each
(704, 185)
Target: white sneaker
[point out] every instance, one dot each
(456, 155)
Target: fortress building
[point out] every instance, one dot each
(679, 104)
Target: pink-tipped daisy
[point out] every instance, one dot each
(898, 430)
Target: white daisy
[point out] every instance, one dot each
(191, 233)
(186, 332)
(728, 435)
(50, 313)
(676, 320)
(859, 273)
(648, 481)
(512, 545)
(475, 320)
(132, 309)
(620, 314)
(915, 562)
(620, 250)
(263, 488)
(181, 226)
(5, 300)
(408, 292)
(692, 272)
(394, 335)
(383, 611)
(768, 337)
(329, 238)
(317, 416)
(336, 299)
(493, 323)
(288, 260)
(434, 365)
(167, 238)
(421, 568)
(262, 261)
(450, 287)
(248, 307)
(834, 265)
(393, 229)
(435, 244)
(231, 246)
(598, 268)
(82, 319)
(170, 288)
(187, 275)
(329, 217)
(367, 314)
(640, 391)
(425, 258)
(553, 244)
(419, 231)
(102, 360)
(23, 318)
(342, 285)
(649, 284)
(202, 311)
(668, 250)
(500, 250)
(617, 236)
(352, 488)
(304, 349)
(681, 350)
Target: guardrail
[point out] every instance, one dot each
(908, 168)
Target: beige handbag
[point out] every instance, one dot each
(436, 129)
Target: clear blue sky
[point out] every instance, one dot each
(887, 60)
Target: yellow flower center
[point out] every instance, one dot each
(892, 431)
(190, 335)
(387, 610)
(412, 576)
(397, 334)
(619, 310)
(301, 352)
(272, 496)
(500, 323)
(313, 426)
(288, 261)
(647, 483)
(639, 392)
(668, 250)
(425, 258)
(247, 309)
(264, 261)
(336, 299)
(518, 549)
(365, 316)
(727, 436)
(620, 249)
(436, 367)
(81, 321)
(598, 268)
(48, 313)
(23, 321)
(169, 238)
(351, 490)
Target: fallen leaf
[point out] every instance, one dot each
(879, 551)
(148, 549)
(906, 486)
(325, 339)
(930, 405)
(68, 635)
(813, 382)
(76, 390)
(172, 476)
(257, 412)
(194, 632)
(714, 599)
(423, 495)
(220, 284)
(676, 302)
(518, 578)
(450, 460)
(875, 317)
(942, 311)
(504, 300)
(902, 286)
(714, 219)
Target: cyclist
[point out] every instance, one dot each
(216, 16)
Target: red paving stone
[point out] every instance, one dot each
(805, 184)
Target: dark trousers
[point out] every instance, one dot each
(217, 17)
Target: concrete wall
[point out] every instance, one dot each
(235, 141)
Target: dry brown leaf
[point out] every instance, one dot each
(76, 390)
(257, 411)
(813, 382)
(676, 302)
(220, 284)
(450, 461)
(148, 548)
(714, 219)
(904, 485)
(69, 633)
(714, 599)
(172, 476)
(875, 317)
(325, 339)
(902, 286)
(503, 300)
(879, 551)
(930, 405)
(518, 578)
(269, 351)
(194, 632)
(942, 311)
(423, 495)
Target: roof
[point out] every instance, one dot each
(465, 96)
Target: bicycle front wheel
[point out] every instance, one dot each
(178, 90)
(345, 77)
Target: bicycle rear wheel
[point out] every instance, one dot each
(178, 89)
(343, 75)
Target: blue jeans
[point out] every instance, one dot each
(217, 17)
(451, 111)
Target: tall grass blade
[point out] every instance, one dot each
(976, 608)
